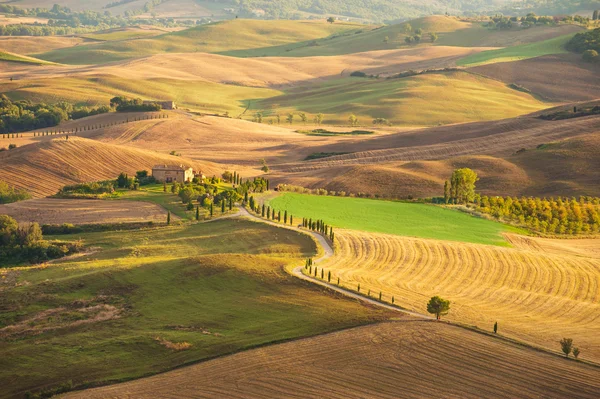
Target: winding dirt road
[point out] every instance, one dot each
(328, 253)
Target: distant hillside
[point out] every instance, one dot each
(236, 34)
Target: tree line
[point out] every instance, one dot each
(554, 215)
(586, 43)
(64, 21)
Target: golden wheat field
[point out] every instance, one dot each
(405, 359)
(535, 296)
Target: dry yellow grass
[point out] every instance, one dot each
(535, 297)
(408, 359)
(73, 211)
(33, 45)
(43, 168)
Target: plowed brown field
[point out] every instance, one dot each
(535, 297)
(409, 359)
(59, 211)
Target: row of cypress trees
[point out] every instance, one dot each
(83, 128)
(314, 272)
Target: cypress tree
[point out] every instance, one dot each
(329, 276)
(310, 270)
(279, 216)
(230, 203)
(197, 212)
(392, 300)
(252, 204)
(322, 274)
(169, 218)
(291, 220)
(316, 268)
(211, 209)
(285, 217)
(369, 293)
(233, 179)
(223, 205)
(338, 283)
(268, 212)
(246, 197)
(496, 328)
(380, 295)
(263, 210)
(358, 289)
(267, 184)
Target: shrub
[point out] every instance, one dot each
(358, 74)
(10, 193)
(591, 56)
(12, 146)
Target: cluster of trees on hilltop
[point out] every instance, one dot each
(64, 21)
(124, 104)
(549, 7)
(586, 43)
(559, 216)
(22, 116)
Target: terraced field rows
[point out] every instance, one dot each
(535, 297)
(408, 359)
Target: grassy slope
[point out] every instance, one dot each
(173, 283)
(214, 97)
(360, 39)
(222, 36)
(416, 220)
(522, 52)
(429, 99)
(122, 34)
(10, 57)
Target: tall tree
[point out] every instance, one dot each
(438, 306)
(446, 192)
(463, 185)
(566, 344)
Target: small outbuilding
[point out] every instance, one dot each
(172, 173)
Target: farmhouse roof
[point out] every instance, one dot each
(170, 167)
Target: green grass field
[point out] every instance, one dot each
(223, 36)
(10, 57)
(405, 219)
(118, 313)
(423, 100)
(516, 53)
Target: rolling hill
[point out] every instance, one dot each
(45, 167)
(221, 36)
(389, 360)
(423, 100)
(536, 297)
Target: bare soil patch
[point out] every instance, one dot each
(73, 211)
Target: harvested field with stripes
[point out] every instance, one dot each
(406, 359)
(45, 167)
(534, 296)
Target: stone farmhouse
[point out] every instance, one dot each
(168, 105)
(172, 173)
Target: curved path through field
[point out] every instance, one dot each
(328, 253)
